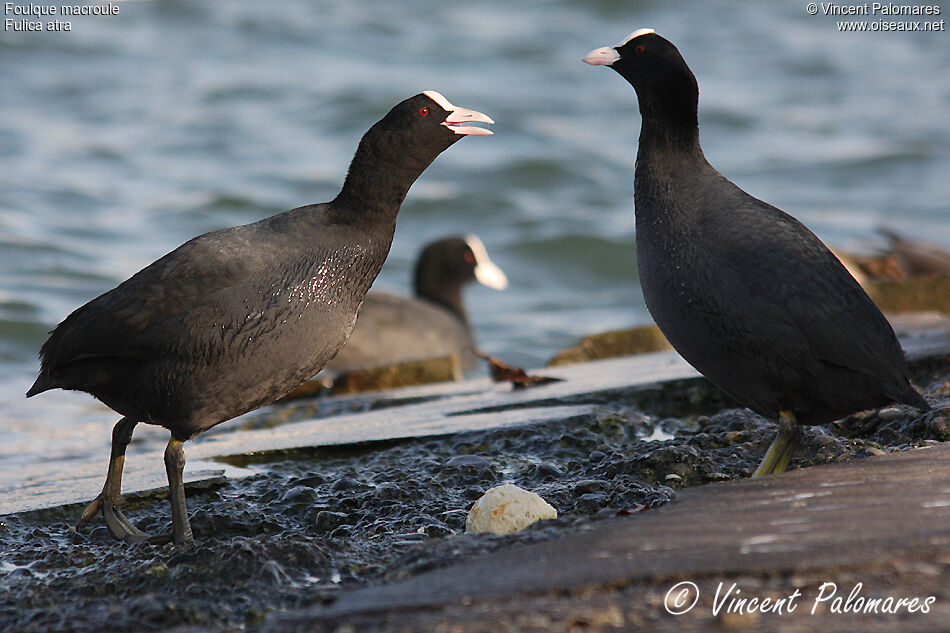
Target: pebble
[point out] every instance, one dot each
(471, 467)
(890, 413)
(474, 462)
(326, 521)
(506, 509)
(389, 490)
(435, 529)
(300, 495)
(345, 483)
(548, 471)
(589, 503)
(586, 486)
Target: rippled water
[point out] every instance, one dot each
(133, 133)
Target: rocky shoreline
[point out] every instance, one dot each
(313, 523)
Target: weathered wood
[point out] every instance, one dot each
(880, 510)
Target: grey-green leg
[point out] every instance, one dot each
(110, 498)
(175, 466)
(783, 447)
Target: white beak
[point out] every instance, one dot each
(607, 55)
(458, 116)
(486, 272)
(603, 56)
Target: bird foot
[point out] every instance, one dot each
(118, 525)
(783, 447)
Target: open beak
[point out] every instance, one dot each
(459, 118)
(603, 56)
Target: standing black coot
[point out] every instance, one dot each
(744, 292)
(433, 324)
(236, 318)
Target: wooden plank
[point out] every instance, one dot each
(831, 516)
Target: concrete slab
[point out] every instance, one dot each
(82, 484)
(146, 471)
(445, 408)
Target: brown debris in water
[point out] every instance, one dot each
(503, 372)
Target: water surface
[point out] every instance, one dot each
(133, 133)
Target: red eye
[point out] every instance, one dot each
(638, 49)
(423, 111)
(470, 257)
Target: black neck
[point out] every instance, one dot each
(670, 119)
(447, 296)
(377, 181)
(668, 148)
(658, 134)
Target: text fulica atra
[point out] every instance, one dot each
(744, 292)
(391, 329)
(236, 318)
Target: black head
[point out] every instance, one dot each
(426, 121)
(654, 67)
(444, 266)
(399, 147)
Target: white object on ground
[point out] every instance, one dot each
(506, 509)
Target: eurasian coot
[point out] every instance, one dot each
(392, 329)
(744, 292)
(234, 319)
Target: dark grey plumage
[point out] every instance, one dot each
(433, 324)
(743, 291)
(226, 322)
(236, 318)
